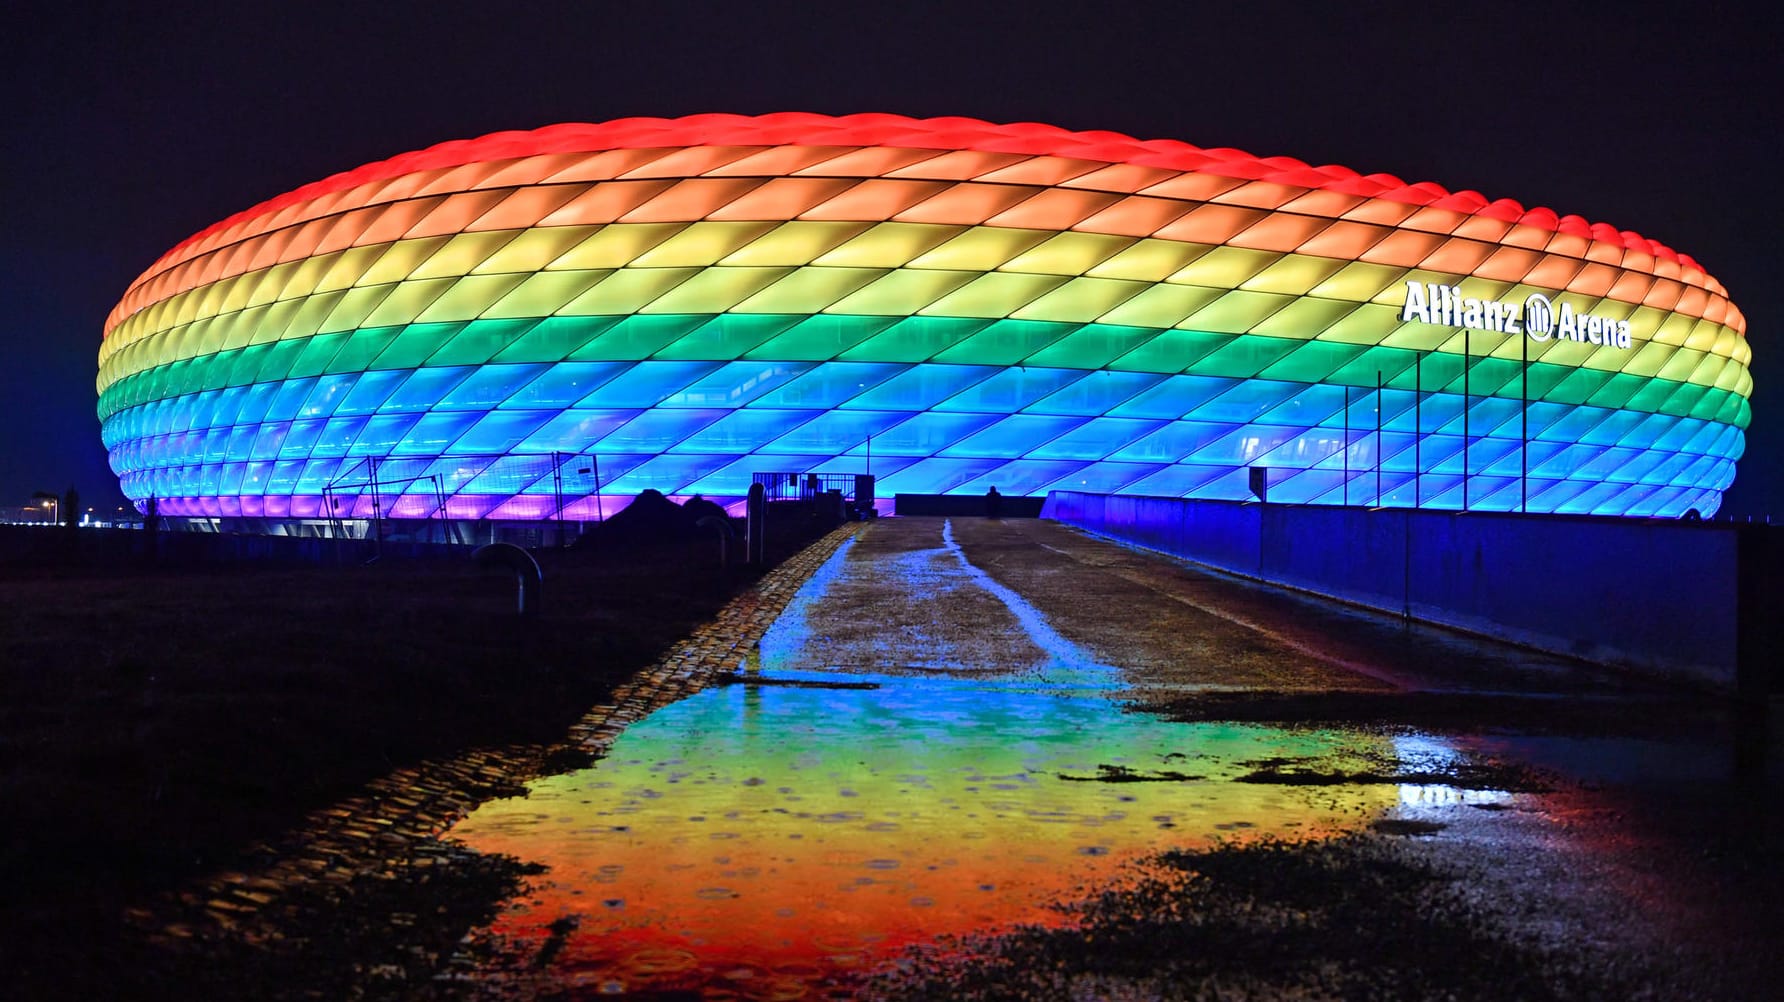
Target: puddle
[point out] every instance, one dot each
(785, 839)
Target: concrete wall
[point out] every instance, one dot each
(1658, 596)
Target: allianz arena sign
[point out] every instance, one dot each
(1537, 317)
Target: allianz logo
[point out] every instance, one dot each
(1537, 317)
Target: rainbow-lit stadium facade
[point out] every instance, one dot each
(467, 331)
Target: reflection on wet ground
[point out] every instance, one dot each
(916, 752)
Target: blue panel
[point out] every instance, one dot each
(669, 474)
(920, 387)
(565, 384)
(1248, 445)
(835, 432)
(1010, 390)
(1172, 442)
(1013, 436)
(928, 433)
(489, 386)
(646, 383)
(1247, 401)
(434, 432)
(1108, 478)
(1096, 393)
(744, 431)
(936, 476)
(327, 394)
(736, 384)
(382, 434)
(499, 431)
(1173, 398)
(316, 475)
(1021, 476)
(829, 384)
(241, 442)
(254, 407)
(289, 400)
(656, 431)
(283, 479)
(371, 391)
(337, 435)
(227, 406)
(424, 388)
(576, 430)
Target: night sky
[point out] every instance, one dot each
(131, 126)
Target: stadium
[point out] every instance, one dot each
(536, 325)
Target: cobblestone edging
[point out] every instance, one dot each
(396, 823)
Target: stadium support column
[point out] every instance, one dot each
(1524, 432)
(1466, 440)
(1379, 456)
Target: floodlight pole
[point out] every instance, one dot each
(1347, 444)
(1524, 433)
(1418, 429)
(1379, 452)
(1466, 440)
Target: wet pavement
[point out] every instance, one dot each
(1003, 759)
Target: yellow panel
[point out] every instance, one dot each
(349, 266)
(794, 243)
(1069, 254)
(544, 293)
(1150, 260)
(1224, 267)
(1675, 329)
(715, 290)
(1293, 275)
(808, 290)
(468, 297)
(981, 248)
(1367, 324)
(897, 293)
(615, 246)
(702, 244)
(993, 295)
(626, 290)
(272, 282)
(1678, 368)
(1703, 335)
(354, 306)
(1423, 337)
(1161, 306)
(400, 260)
(462, 253)
(1235, 312)
(291, 318)
(533, 249)
(1304, 318)
(406, 302)
(888, 245)
(1362, 282)
(1081, 300)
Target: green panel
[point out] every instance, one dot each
(821, 338)
(1092, 346)
(216, 368)
(1171, 351)
(481, 340)
(247, 364)
(1312, 361)
(1388, 362)
(638, 337)
(1577, 387)
(915, 339)
(362, 347)
(1006, 342)
(318, 351)
(1245, 356)
(1653, 396)
(279, 359)
(556, 338)
(728, 336)
(415, 344)
(1616, 391)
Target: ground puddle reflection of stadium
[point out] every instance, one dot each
(785, 835)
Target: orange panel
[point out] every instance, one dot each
(1324, 203)
(1344, 240)
(784, 198)
(455, 213)
(1135, 216)
(1553, 272)
(1280, 231)
(605, 203)
(1404, 248)
(524, 207)
(1664, 295)
(1569, 244)
(1435, 220)
(1605, 252)
(304, 239)
(966, 203)
(1261, 195)
(1054, 209)
(779, 161)
(1381, 210)
(874, 161)
(1193, 187)
(691, 162)
(1692, 301)
(1509, 264)
(346, 230)
(959, 165)
(1045, 171)
(1632, 287)
(1525, 235)
(1211, 224)
(1458, 257)
(875, 199)
(1594, 280)
(606, 165)
(1124, 178)
(1483, 228)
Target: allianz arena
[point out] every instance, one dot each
(516, 326)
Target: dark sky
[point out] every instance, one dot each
(131, 126)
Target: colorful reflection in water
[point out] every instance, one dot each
(782, 838)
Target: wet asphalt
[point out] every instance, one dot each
(1004, 759)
